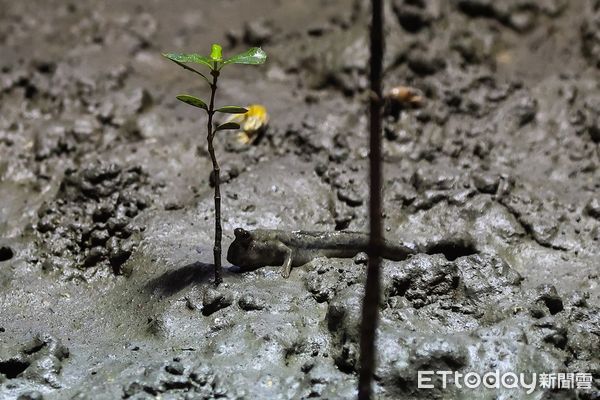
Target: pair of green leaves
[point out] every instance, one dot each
(196, 102)
(253, 56)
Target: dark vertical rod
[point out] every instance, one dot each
(370, 311)
(216, 172)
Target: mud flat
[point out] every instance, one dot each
(106, 208)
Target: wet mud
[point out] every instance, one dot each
(106, 208)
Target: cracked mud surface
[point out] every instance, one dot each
(106, 208)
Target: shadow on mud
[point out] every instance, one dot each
(174, 281)
(453, 248)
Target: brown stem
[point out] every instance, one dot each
(373, 286)
(216, 173)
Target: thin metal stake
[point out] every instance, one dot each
(370, 312)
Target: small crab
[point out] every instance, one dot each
(405, 95)
(401, 98)
(252, 123)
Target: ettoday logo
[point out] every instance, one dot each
(506, 380)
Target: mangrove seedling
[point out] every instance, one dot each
(215, 63)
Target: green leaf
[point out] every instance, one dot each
(182, 65)
(227, 125)
(193, 58)
(232, 110)
(192, 101)
(216, 53)
(253, 56)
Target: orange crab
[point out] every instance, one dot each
(405, 95)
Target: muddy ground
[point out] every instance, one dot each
(106, 208)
